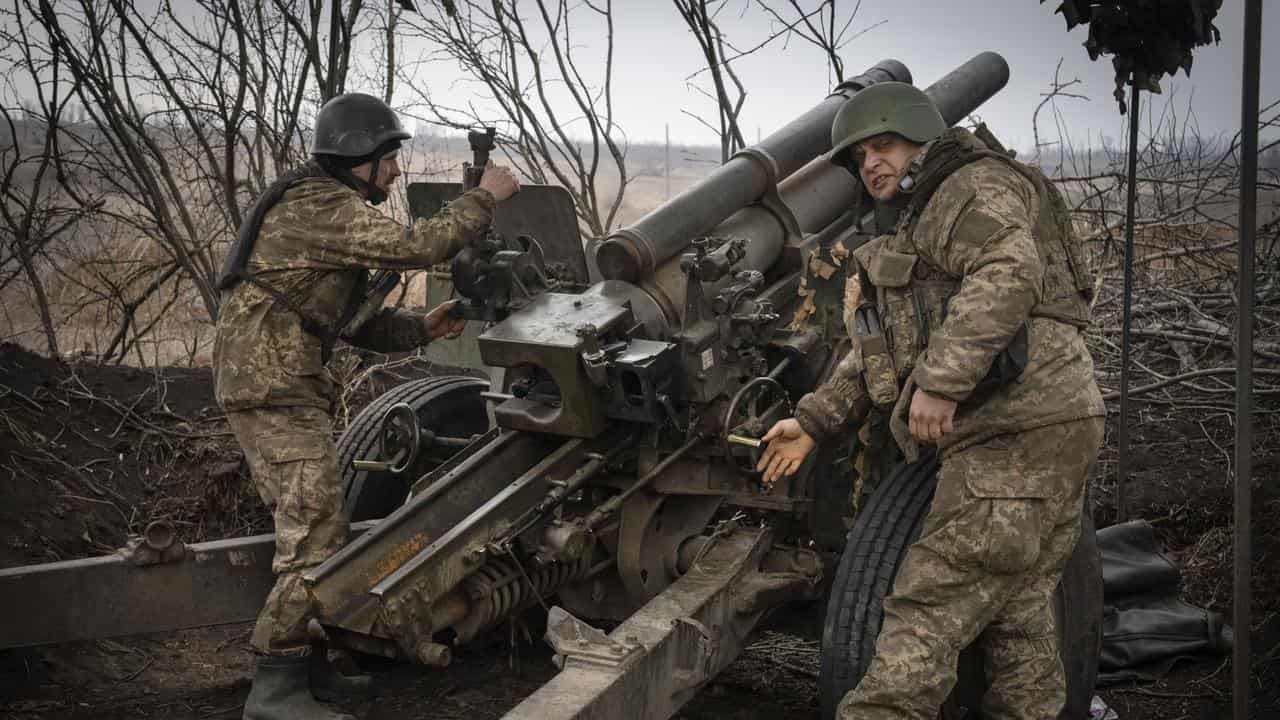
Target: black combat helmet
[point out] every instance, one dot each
(355, 125)
(884, 107)
(352, 129)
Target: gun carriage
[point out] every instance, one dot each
(609, 463)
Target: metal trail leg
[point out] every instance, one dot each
(127, 593)
(655, 662)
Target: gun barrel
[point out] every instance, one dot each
(962, 90)
(820, 193)
(635, 251)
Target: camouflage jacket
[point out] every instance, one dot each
(952, 287)
(314, 247)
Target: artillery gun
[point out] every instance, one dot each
(608, 467)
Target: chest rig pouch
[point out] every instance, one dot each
(910, 302)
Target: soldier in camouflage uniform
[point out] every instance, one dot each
(290, 288)
(967, 327)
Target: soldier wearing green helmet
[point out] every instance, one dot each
(888, 107)
(967, 326)
(292, 286)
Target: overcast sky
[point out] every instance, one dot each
(655, 52)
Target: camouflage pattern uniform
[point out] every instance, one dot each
(269, 373)
(953, 285)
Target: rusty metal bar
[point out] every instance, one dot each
(211, 583)
(1126, 340)
(1243, 507)
(634, 252)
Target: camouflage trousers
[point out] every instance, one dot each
(294, 464)
(1004, 520)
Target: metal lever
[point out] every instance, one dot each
(371, 465)
(743, 440)
(481, 145)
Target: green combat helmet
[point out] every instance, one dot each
(884, 107)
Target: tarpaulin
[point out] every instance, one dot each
(1147, 628)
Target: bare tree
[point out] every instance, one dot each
(555, 110)
(187, 114)
(727, 91)
(327, 21)
(146, 92)
(822, 26)
(1057, 89)
(30, 208)
(183, 115)
(33, 211)
(188, 101)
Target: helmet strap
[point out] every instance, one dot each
(907, 184)
(374, 194)
(343, 174)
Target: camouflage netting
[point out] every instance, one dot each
(1148, 38)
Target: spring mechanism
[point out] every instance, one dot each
(500, 588)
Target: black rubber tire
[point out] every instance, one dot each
(874, 549)
(830, 483)
(448, 405)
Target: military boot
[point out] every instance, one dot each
(281, 691)
(329, 684)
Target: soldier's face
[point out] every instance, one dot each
(882, 161)
(388, 171)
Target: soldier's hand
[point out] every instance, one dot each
(788, 446)
(500, 181)
(930, 417)
(441, 323)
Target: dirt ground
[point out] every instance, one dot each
(89, 454)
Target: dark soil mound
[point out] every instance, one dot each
(93, 453)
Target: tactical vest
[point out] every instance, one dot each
(235, 267)
(907, 297)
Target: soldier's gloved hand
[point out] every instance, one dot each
(930, 416)
(788, 446)
(499, 181)
(441, 323)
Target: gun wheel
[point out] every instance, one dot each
(449, 405)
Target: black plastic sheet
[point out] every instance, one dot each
(1147, 628)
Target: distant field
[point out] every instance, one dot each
(179, 331)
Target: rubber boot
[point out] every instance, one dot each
(281, 691)
(329, 684)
